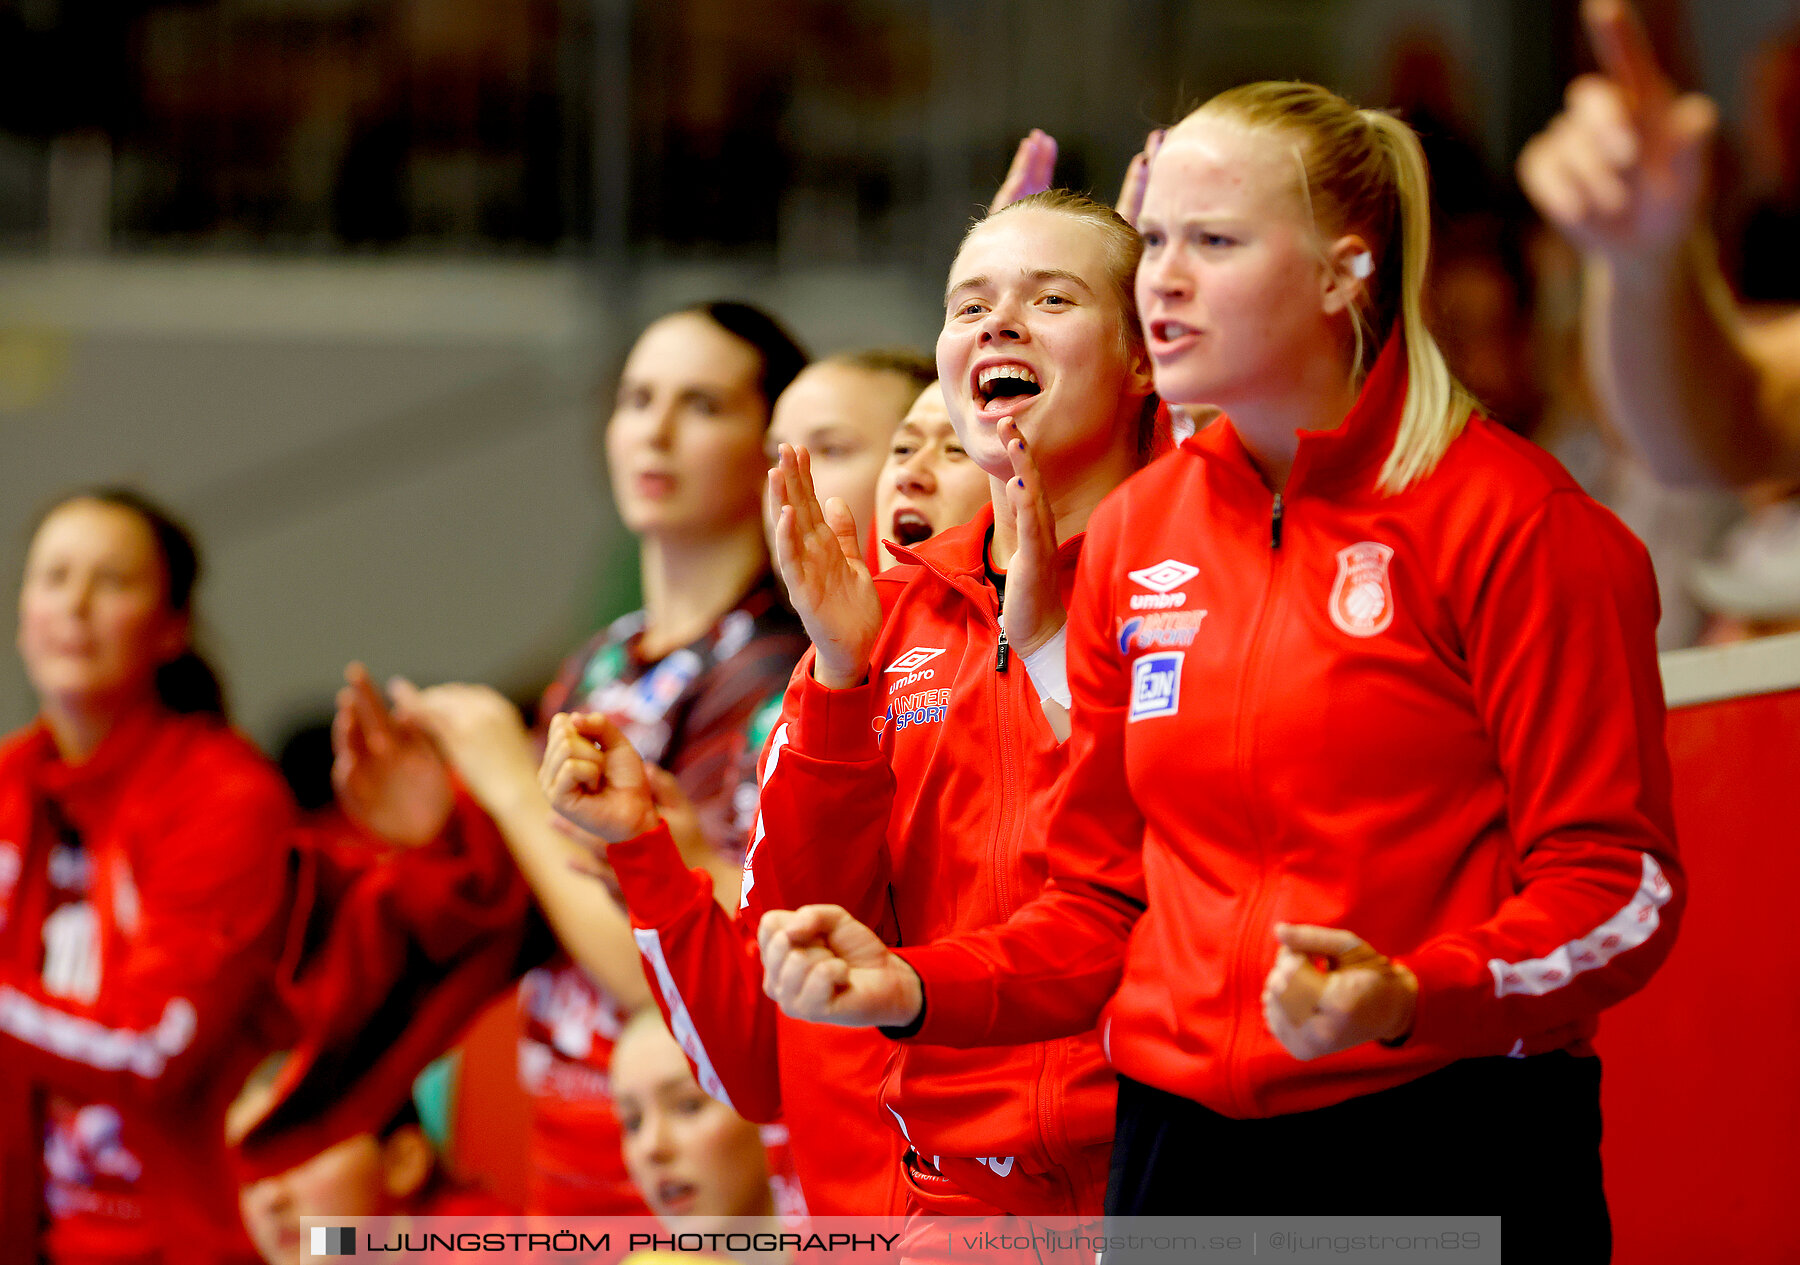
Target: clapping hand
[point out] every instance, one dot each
(389, 777)
(828, 583)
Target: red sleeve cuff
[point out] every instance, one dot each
(653, 880)
(958, 991)
(838, 724)
(1448, 1013)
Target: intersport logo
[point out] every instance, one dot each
(917, 657)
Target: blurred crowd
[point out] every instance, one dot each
(215, 1010)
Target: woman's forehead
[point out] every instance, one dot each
(689, 346)
(1218, 166)
(929, 409)
(90, 526)
(1019, 245)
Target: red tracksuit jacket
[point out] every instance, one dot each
(706, 975)
(1434, 719)
(916, 801)
(141, 896)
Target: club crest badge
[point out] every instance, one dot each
(1362, 598)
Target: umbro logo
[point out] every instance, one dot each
(1165, 575)
(917, 657)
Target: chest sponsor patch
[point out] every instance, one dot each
(1170, 573)
(1362, 598)
(914, 659)
(924, 707)
(1156, 685)
(1166, 628)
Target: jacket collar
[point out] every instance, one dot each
(1347, 455)
(119, 754)
(956, 551)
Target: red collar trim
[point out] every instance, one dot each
(1346, 452)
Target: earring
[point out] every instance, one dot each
(1362, 265)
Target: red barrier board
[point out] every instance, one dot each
(1701, 1090)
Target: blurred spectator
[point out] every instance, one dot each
(1482, 299)
(684, 678)
(689, 1155)
(392, 1170)
(143, 878)
(1700, 391)
(844, 410)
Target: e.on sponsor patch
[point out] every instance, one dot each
(1166, 628)
(1156, 685)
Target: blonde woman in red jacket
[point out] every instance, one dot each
(1367, 814)
(143, 870)
(916, 748)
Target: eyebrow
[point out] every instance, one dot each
(1037, 274)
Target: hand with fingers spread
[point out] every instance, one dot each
(594, 777)
(1033, 168)
(1137, 177)
(1621, 170)
(1034, 611)
(822, 965)
(828, 584)
(389, 777)
(1358, 996)
(482, 735)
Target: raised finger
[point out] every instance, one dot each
(1624, 52)
(1014, 179)
(796, 472)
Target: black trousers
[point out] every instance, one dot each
(1515, 1137)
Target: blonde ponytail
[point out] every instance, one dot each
(1437, 405)
(1363, 171)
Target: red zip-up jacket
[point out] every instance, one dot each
(141, 899)
(916, 801)
(705, 972)
(1434, 719)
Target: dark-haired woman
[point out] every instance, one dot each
(683, 677)
(143, 849)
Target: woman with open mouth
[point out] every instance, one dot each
(928, 482)
(919, 741)
(1368, 809)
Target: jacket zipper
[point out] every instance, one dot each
(1247, 705)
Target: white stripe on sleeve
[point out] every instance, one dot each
(1631, 926)
(681, 1024)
